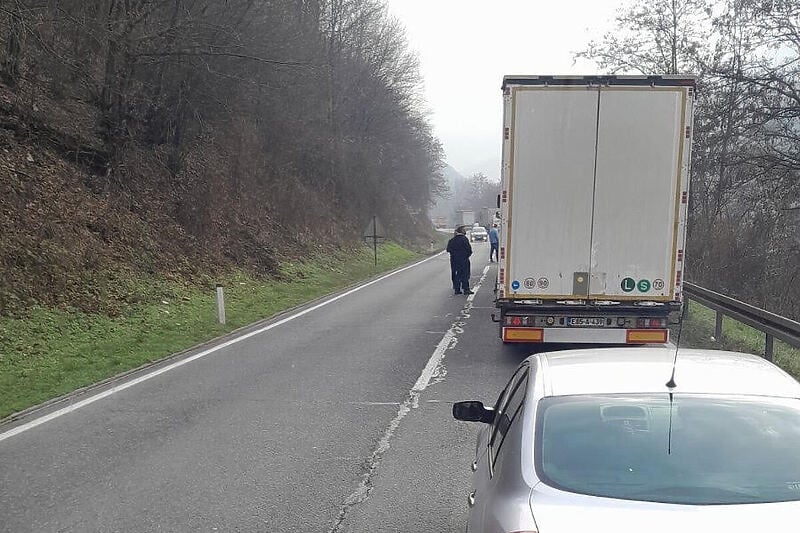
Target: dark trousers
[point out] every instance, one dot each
(459, 270)
(493, 251)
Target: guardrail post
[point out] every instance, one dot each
(769, 347)
(718, 327)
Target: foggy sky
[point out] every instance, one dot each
(467, 46)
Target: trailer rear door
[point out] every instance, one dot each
(553, 136)
(637, 192)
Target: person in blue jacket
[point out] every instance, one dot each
(494, 241)
(459, 249)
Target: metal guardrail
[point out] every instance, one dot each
(773, 326)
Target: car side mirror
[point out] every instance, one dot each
(473, 412)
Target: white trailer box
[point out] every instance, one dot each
(595, 182)
(467, 217)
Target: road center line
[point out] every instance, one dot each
(432, 369)
(122, 386)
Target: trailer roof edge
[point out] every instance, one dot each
(662, 80)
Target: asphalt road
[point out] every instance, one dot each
(338, 420)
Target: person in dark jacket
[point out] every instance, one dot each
(459, 249)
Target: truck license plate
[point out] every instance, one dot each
(582, 321)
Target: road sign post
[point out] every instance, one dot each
(372, 233)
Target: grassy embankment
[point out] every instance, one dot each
(52, 352)
(698, 332)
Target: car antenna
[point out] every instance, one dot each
(671, 383)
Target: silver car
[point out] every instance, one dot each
(622, 440)
(478, 233)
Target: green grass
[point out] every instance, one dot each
(52, 352)
(698, 332)
(441, 238)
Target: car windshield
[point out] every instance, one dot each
(694, 450)
(478, 230)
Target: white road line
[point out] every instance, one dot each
(117, 388)
(478, 286)
(432, 369)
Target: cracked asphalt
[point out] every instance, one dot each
(335, 421)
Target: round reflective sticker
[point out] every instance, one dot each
(628, 284)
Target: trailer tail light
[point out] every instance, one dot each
(678, 278)
(680, 255)
(652, 323)
(519, 320)
(501, 277)
(502, 252)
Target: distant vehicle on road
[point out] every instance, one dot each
(478, 233)
(593, 206)
(467, 217)
(618, 440)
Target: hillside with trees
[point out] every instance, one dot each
(744, 232)
(177, 138)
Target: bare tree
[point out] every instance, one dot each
(651, 36)
(321, 94)
(12, 11)
(745, 170)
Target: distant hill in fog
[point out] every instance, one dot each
(446, 207)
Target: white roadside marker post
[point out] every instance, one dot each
(220, 304)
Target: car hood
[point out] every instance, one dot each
(557, 511)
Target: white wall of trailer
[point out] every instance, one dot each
(595, 182)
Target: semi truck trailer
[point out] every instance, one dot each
(593, 206)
